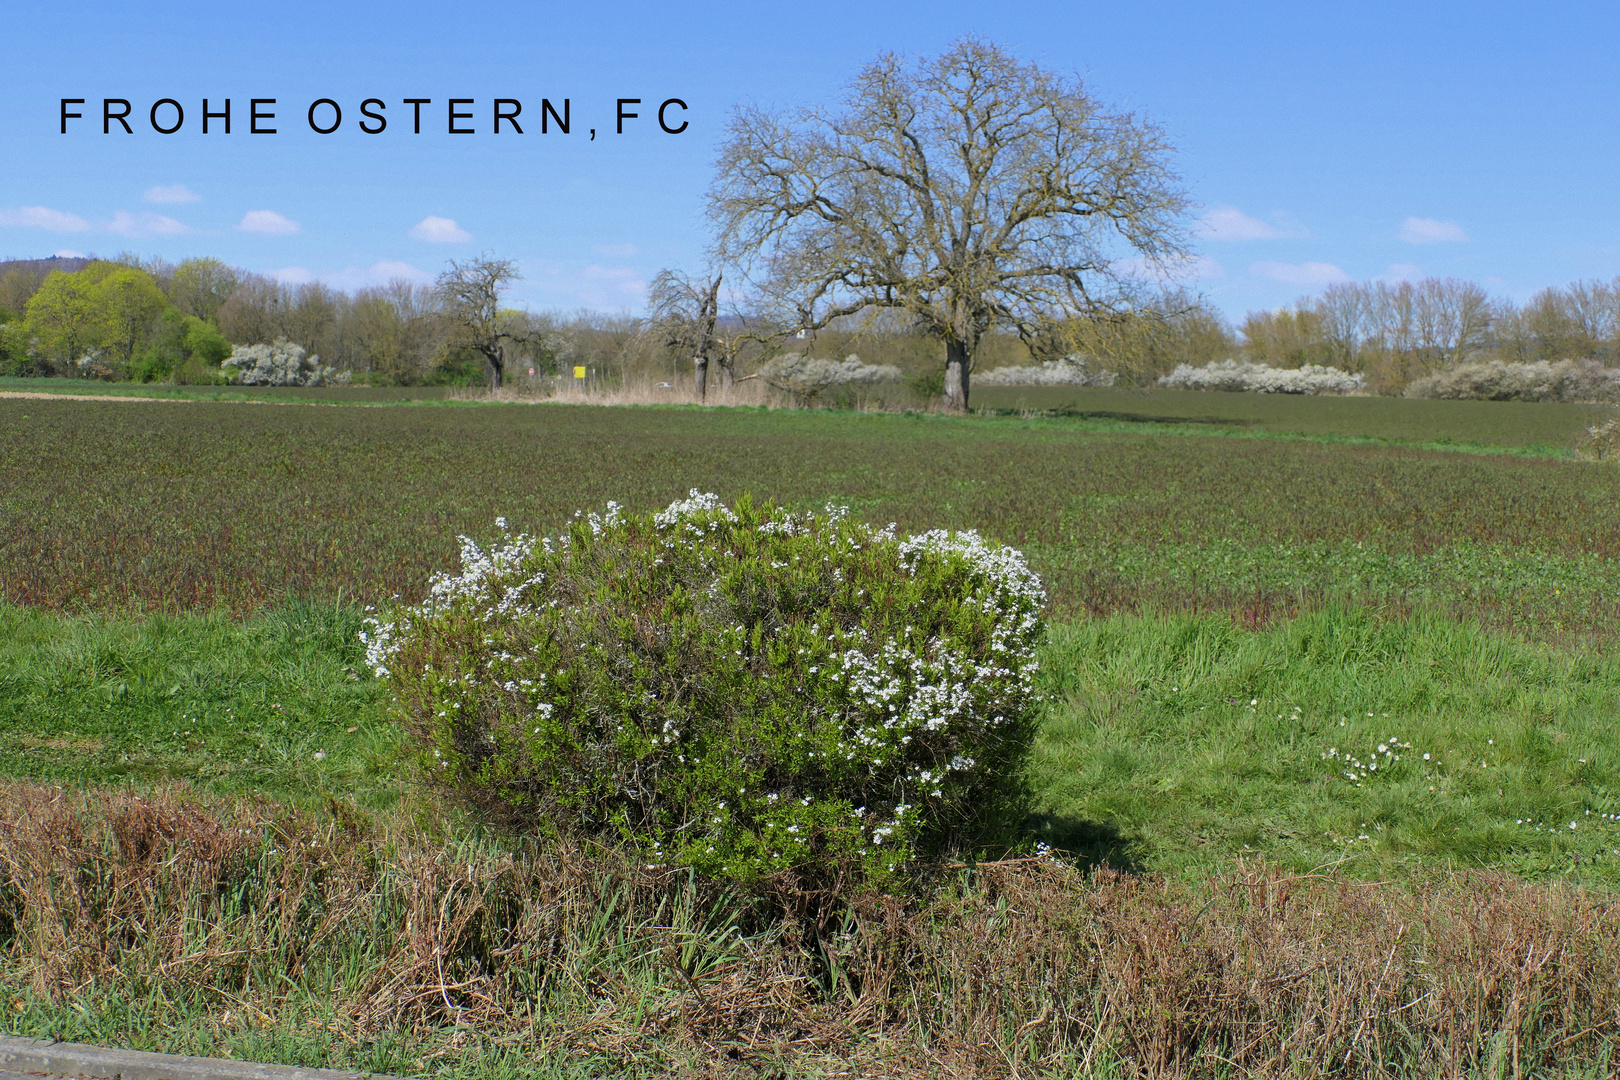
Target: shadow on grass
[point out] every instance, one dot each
(1075, 412)
(1089, 845)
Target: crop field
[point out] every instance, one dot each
(1306, 651)
(1464, 423)
(192, 507)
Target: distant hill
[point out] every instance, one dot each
(44, 266)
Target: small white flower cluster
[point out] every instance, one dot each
(598, 522)
(481, 572)
(696, 504)
(1003, 567)
(1357, 771)
(1263, 379)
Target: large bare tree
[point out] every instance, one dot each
(969, 190)
(469, 294)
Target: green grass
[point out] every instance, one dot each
(303, 1029)
(280, 704)
(1177, 744)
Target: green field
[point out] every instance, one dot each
(1247, 616)
(181, 508)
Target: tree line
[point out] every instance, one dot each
(1398, 332)
(151, 320)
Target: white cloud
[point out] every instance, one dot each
(267, 223)
(1403, 272)
(612, 287)
(1310, 274)
(68, 253)
(292, 275)
(614, 249)
(1418, 230)
(1228, 223)
(40, 217)
(141, 225)
(174, 193)
(440, 230)
(387, 270)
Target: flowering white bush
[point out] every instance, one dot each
(282, 363)
(1497, 380)
(737, 689)
(806, 376)
(1601, 441)
(1069, 371)
(1263, 379)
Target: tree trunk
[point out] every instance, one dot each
(497, 367)
(957, 360)
(708, 312)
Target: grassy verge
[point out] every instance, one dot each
(327, 395)
(279, 704)
(169, 922)
(294, 901)
(1387, 748)
(1170, 744)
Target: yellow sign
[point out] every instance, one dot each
(579, 371)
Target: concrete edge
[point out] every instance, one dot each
(80, 1059)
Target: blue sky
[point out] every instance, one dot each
(1321, 142)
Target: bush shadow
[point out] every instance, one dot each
(1076, 412)
(1089, 845)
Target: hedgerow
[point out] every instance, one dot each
(1229, 375)
(744, 690)
(1497, 380)
(1071, 370)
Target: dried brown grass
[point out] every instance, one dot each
(748, 392)
(1017, 968)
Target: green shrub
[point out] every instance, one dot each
(183, 348)
(743, 691)
(458, 368)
